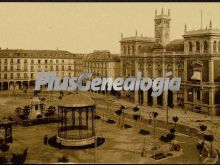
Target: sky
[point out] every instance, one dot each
(85, 27)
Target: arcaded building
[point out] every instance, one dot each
(195, 59)
(18, 67)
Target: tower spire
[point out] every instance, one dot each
(155, 12)
(201, 19)
(136, 33)
(210, 24)
(185, 29)
(162, 11)
(168, 12)
(121, 35)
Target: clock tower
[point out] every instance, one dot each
(162, 27)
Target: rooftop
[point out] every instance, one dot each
(76, 100)
(138, 38)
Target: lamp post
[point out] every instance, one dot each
(154, 115)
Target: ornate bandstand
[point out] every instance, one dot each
(77, 124)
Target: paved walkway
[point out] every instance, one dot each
(189, 118)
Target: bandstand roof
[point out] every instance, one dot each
(76, 100)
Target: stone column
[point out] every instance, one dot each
(174, 92)
(185, 70)
(211, 70)
(165, 93)
(211, 101)
(210, 46)
(185, 98)
(136, 98)
(153, 77)
(145, 92)
(121, 66)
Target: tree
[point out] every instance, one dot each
(136, 118)
(202, 129)
(18, 110)
(119, 113)
(200, 147)
(20, 157)
(209, 138)
(175, 120)
(63, 159)
(26, 111)
(4, 148)
(136, 109)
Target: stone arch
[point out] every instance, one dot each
(18, 85)
(206, 47)
(215, 47)
(149, 70)
(197, 47)
(25, 85)
(169, 68)
(5, 86)
(159, 70)
(180, 71)
(11, 85)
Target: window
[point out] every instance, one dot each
(38, 61)
(32, 61)
(11, 61)
(18, 61)
(180, 71)
(6, 68)
(32, 75)
(205, 47)
(124, 49)
(25, 61)
(197, 47)
(198, 95)
(190, 46)
(214, 46)
(25, 75)
(45, 61)
(5, 76)
(133, 49)
(139, 49)
(11, 75)
(129, 50)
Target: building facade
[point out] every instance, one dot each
(102, 64)
(195, 59)
(18, 68)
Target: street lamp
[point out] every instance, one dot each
(154, 115)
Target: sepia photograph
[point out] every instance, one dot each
(115, 82)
